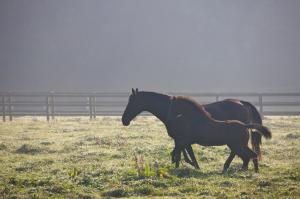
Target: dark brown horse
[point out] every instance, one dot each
(193, 124)
(158, 105)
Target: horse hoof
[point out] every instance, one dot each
(173, 159)
(224, 172)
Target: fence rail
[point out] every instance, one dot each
(92, 104)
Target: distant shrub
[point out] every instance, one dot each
(264, 183)
(86, 180)
(46, 143)
(28, 149)
(292, 136)
(3, 146)
(144, 190)
(118, 193)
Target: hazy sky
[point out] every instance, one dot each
(162, 45)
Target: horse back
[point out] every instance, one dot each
(228, 110)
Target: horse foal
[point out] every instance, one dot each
(195, 125)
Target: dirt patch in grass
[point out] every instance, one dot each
(292, 136)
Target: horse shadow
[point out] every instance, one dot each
(233, 172)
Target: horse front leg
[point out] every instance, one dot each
(186, 157)
(192, 155)
(177, 154)
(173, 159)
(179, 146)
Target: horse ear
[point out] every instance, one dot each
(133, 91)
(136, 90)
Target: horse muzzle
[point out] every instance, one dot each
(125, 122)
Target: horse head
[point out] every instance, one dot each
(133, 107)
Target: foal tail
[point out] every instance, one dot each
(264, 131)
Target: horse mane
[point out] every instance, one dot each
(195, 104)
(153, 94)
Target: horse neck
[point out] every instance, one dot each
(157, 104)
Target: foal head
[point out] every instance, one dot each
(133, 108)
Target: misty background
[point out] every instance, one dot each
(158, 45)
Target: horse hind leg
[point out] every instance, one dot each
(254, 158)
(250, 155)
(246, 160)
(243, 153)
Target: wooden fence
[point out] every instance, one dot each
(92, 104)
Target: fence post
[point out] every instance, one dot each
(3, 108)
(52, 105)
(90, 107)
(9, 107)
(47, 107)
(94, 106)
(260, 102)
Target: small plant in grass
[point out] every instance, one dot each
(146, 170)
(73, 173)
(143, 169)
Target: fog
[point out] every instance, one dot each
(158, 45)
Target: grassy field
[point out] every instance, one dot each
(79, 158)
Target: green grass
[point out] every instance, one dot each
(79, 158)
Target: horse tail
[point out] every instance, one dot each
(256, 143)
(264, 131)
(255, 136)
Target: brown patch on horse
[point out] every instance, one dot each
(235, 101)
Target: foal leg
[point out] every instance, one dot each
(228, 161)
